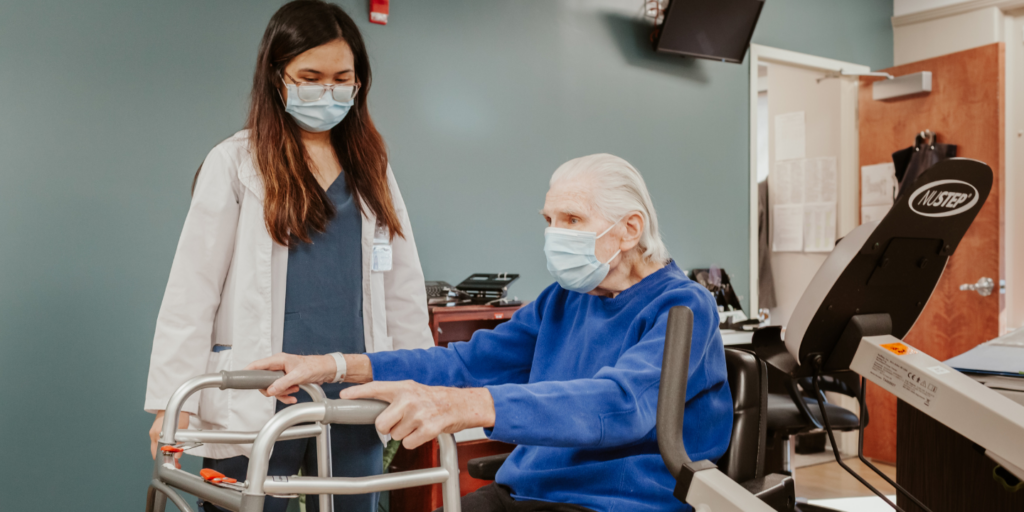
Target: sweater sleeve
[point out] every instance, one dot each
(496, 356)
(618, 405)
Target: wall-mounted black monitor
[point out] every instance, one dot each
(709, 29)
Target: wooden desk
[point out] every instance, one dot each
(449, 324)
(943, 469)
(458, 323)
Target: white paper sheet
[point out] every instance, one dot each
(788, 182)
(873, 213)
(788, 227)
(790, 136)
(819, 227)
(877, 184)
(819, 180)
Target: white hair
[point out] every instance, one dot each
(618, 189)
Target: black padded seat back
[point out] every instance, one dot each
(748, 382)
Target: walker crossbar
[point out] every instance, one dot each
(250, 495)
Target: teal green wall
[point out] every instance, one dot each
(107, 107)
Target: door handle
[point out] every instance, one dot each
(984, 286)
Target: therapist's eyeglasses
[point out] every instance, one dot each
(309, 91)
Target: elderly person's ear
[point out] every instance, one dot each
(634, 224)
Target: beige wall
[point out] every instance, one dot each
(830, 118)
(904, 7)
(942, 36)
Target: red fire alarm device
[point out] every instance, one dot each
(379, 11)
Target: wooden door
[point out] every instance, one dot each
(964, 108)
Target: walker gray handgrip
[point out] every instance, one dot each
(249, 379)
(353, 412)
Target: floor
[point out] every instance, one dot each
(829, 480)
(861, 504)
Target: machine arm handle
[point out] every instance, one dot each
(675, 369)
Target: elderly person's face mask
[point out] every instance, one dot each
(572, 259)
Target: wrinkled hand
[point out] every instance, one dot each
(420, 413)
(298, 370)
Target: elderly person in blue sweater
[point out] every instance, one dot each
(572, 378)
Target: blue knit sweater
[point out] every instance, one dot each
(575, 384)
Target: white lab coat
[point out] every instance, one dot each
(227, 287)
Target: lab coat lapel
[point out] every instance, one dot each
(369, 224)
(251, 180)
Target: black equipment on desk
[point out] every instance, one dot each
(476, 289)
(437, 292)
(716, 280)
(485, 288)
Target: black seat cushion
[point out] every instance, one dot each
(784, 419)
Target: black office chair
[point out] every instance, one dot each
(793, 412)
(743, 460)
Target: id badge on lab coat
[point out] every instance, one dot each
(381, 259)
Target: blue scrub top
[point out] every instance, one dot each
(324, 295)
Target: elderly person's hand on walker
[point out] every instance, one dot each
(417, 413)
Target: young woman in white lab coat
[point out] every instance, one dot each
(285, 248)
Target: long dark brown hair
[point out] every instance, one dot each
(294, 203)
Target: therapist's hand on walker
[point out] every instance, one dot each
(298, 370)
(158, 425)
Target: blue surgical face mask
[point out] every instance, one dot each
(572, 260)
(315, 116)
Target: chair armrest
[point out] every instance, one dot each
(484, 468)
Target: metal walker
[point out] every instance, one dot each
(248, 496)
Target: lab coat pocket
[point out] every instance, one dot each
(214, 404)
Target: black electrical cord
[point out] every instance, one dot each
(832, 439)
(860, 448)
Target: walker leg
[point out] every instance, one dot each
(156, 501)
(163, 492)
(450, 460)
(150, 498)
(323, 460)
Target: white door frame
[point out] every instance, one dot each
(848, 135)
(1011, 236)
